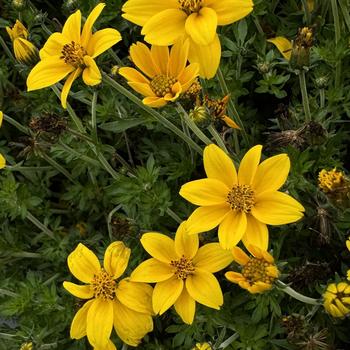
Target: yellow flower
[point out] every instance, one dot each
(124, 304)
(241, 204)
(72, 53)
(27, 346)
(258, 272)
(203, 346)
(337, 299)
(329, 181)
(165, 76)
(183, 273)
(164, 22)
(25, 52)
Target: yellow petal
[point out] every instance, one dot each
(135, 295)
(165, 294)
(71, 28)
(205, 192)
(204, 288)
(116, 259)
(212, 258)
(100, 322)
(102, 40)
(185, 244)
(272, 173)
(201, 26)
(83, 263)
(87, 29)
(342, 308)
(67, 86)
(154, 101)
(229, 122)
(249, 165)
(91, 74)
(48, 72)
(24, 50)
(165, 27)
(188, 76)
(78, 326)
(185, 306)
(133, 75)
(53, 45)
(234, 277)
(256, 233)
(218, 165)
(178, 57)
(159, 246)
(2, 161)
(283, 45)
(151, 271)
(1, 118)
(131, 326)
(82, 292)
(160, 56)
(232, 229)
(240, 256)
(143, 89)
(277, 208)
(141, 56)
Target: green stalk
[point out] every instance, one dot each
(345, 11)
(290, 291)
(174, 216)
(304, 95)
(78, 155)
(337, 34)
(93, 117)
(322, 98)
(39, 225)
(217, 138)
(258, 26)
(16, 124)
(307, 12)
(165, 122)
(7, 50)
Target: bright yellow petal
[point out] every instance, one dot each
(71, 28)
(212, 258)
(143, 89)
(185, 244)
(201, 26)
(153, 101)
(91, 73)
(249, 165)
(82, 292)
(133, 75)
(1, 118)
(135, 295)
(53, 45)
(240, 256)
(188, 76)
(229, 122)
(178, 57)
(141, 56)
(208, 57)
(116, 259)
(277, 208)
(87, 29)
(165, 27)
(185, 306)
(218, 165)
(151, 271)
(159, 246)
(67, 86)
(256, 233)
(24, 50)
(102, 40)
(2, 161)
(99, 322)
(176, 90)
(234, 277)
(283, 45)
(271, 174)
(204, 288)
(160, 56)
(78, 326)
(83, 263)
(205, 192)
(48, 72)
(232, 229)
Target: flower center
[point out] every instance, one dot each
(241, 198)
(183, 267)
(255, 270)
(104, 286)
(190, 6)
(161, 84)
(73, 54)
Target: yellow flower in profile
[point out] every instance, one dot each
(164, 22)
(337, 299)
(25, 52)
(258, 272)
(27, 346)
(183, 273)
(125, 305)
(331, 180)
(165, 74)
(241, 204)
(203, 346)
(72, 53)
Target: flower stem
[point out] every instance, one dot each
(307, 12)
(217, 138)
(78, 155)
(304, 95)
(290, 291)
(7, 50)
(337, 34)
(322, 98)
(93, 117)
(124, 347)
(345, 11)
(16, 124)
(174, 216)
(39, 225)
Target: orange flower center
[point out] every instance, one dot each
(255, 270)
(183, 267)
(162, 84)
(190, 6)
(73, 54)
(241, 198)
(103, 286)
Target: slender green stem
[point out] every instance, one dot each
(78, 155)
(16, 124)
(307, 12)
(238, 66)
(165, 122)
(28, 168)
(93, 117)
(7, 292)
(345, 11)
(290, 291)
(322, 98)
(304, 95)
(7, 50)
(124, 347)
(258, 26)
(39, 225)
(174, 216)
(24, 254)
(337, 34)
(218, 139)
(109, 219)
(80, 135)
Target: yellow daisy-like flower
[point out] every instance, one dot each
(337, 299)
(183, 273)
(241, 204)
(258, 272)
(330, 180)
(25, 52)
(203, 346)
(72, 53)
(165, 74)
(125, 305)
(164, 22)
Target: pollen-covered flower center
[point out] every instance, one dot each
(257, 270)
(190, 6)
(73, 54)
(183, 267)
(103, 286)
(241, 198)
(162, 84)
